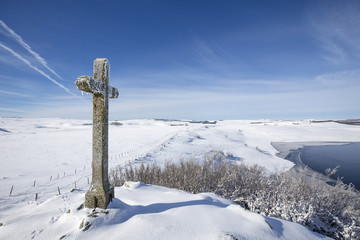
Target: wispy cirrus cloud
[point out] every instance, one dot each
(215, 57)
(140, 102)
(336, 26)
(206, 53)
(13, 93)
(16, 110)
(28, 48)
(343, 78)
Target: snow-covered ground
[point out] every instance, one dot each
(44, 156)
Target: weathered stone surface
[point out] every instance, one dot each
(100, 192)
(91, 85)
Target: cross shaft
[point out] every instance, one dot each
(100, 192)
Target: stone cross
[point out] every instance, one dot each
(100, 192)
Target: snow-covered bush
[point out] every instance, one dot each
(298, 196)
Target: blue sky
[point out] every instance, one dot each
(183, 59)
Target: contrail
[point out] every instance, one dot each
(36, 69)
(28, 48)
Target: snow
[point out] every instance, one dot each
(146, 212)
(56, 154)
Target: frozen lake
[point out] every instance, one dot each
(322, 155)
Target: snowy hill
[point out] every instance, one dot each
(42, 157)
(145, 212)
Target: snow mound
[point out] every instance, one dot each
(142, 211)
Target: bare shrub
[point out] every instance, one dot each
(298, 196)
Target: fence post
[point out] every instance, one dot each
(12, 187)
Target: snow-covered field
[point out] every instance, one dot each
(45, 156)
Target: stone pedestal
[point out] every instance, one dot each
(99, 197)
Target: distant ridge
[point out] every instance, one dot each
(347, 121)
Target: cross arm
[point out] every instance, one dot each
(94, 86)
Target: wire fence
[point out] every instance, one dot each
(78, 178)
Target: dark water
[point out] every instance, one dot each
(346, 156)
